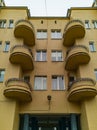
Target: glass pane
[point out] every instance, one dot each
(2, 75)
(61, 83)
(44, 83)
(11, 23)
(54, 83)
(6, 46)
(38, 56)
(59, 54)
(43, 56)
(53, 56)
(38, 83)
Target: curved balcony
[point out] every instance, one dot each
(73, 30)
(18, 89)
(81, 89)
(76, 56)
(22, 55)
(24, 29)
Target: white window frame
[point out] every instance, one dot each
(41, 34)
(55, 54)
(42, 85)
(7, 46)
(92, 46)
(11, 23)
(94, 24)
(56, 34)
(95, 72)
(40, 54)
(57, 83)
(2, 23)
(87, 24)
(2, 73)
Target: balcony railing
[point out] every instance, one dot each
(75, 56)
(24, 29)
(81, 89)
(74, 29)
(20, 54)
(18, 89)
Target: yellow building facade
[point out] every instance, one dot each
(48, 70)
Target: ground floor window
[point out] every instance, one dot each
(51, 122)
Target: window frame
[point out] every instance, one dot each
(3, 23)
(41, 34)
(41, 54)
(92, 47)
(87, 24)
(95, 72)
(11, 23)
(7, 46)
(56, 53)
(43, 81)
(56, 34)
(57, 82)
(2, 78)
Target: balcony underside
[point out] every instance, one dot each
(25, 32)
(72, 33)
(76, 59)
(81, 93)
(22, 59)
(18, 94)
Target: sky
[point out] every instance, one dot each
(49, 7)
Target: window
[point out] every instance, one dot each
(95, 24)
(0, 44)
(57, 83)
(27, 78)
(2, 72)
(57, 56)
(87, 25)
(40, 83)
(7, 45)
(92, 47)
(41, 55)
(95, 71)
(41, 34)
(2, 23)
(10, 23)
(56, 34)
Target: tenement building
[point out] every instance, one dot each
(48, 70)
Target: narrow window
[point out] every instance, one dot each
(42, 34)
(40, 83)
(87, 24)
(0, 45)
(2, 23)
(56, 34)
(95, 72)
(41, 55)
(57, 83)
(92, 46)
(7, 46)
(57, 56)
(11, 23)
(95, 24)
(2, 72)
(27, 78)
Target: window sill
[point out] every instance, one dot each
(58, 90)
(40, 61)
(56, 38)
(58, 61)
(5, 51)
(39, 89)
(41, 38)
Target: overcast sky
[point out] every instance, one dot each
(49, 7)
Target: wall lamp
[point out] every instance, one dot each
(49, 97)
